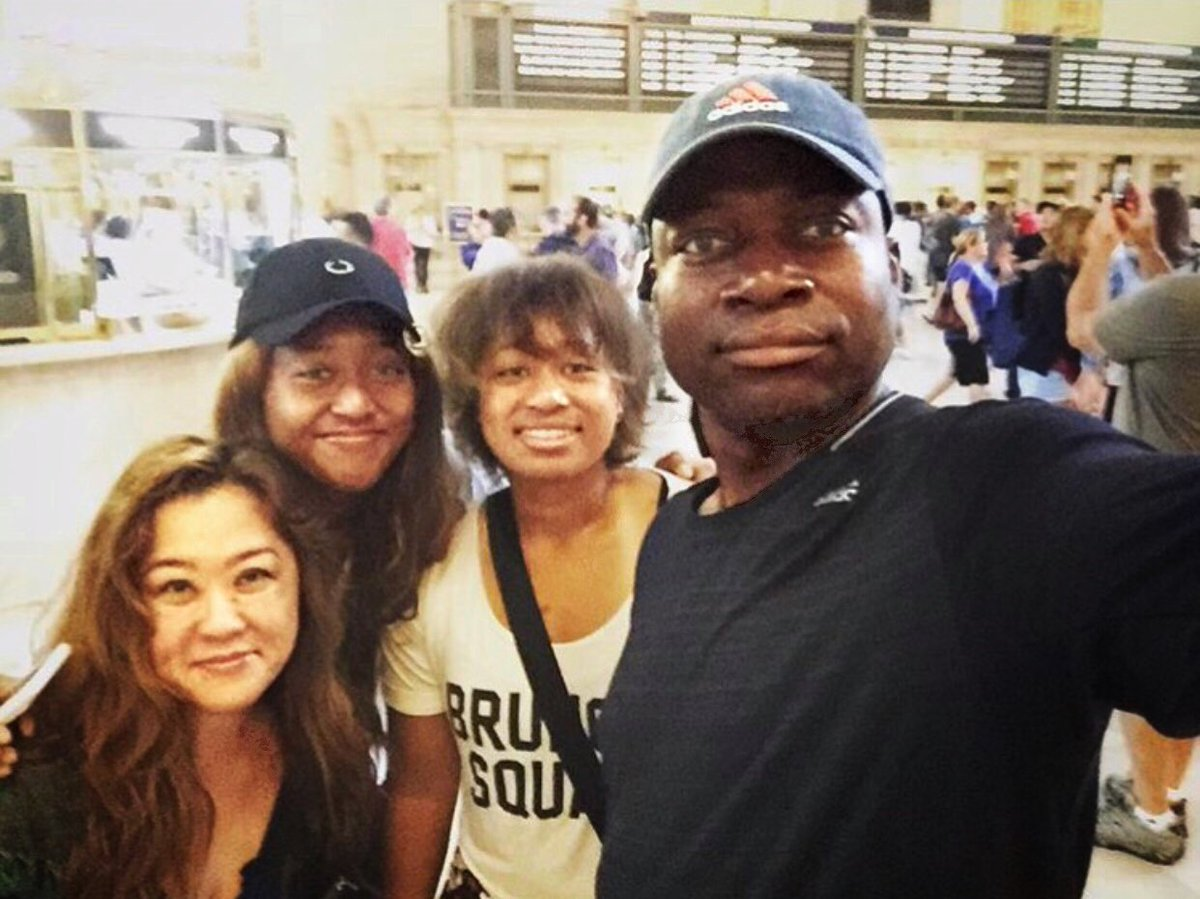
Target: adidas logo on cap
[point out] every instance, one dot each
(748, 97)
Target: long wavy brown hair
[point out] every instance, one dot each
(391, 532)
(148, 819)
(1064, 240)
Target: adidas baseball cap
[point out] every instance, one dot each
(797, 107)
(298, 283)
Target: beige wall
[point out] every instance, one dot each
(361, 79)
(590, 148)
(1163, 21)
(67, 430)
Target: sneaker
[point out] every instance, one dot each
(1119, 828)
(1119, 789)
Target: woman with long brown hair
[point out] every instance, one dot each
(328, 372)
(1050, 366)
(328, 369)
(199, 741)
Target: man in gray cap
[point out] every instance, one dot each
(876, 656)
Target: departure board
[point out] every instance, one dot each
(932, 68)
(678, 62)
(1144, 79)
(569, 58)
(654, 59)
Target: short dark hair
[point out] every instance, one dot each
(589, 209)
(903, 207)
(502, 308)
(503, 221)
(359, 224)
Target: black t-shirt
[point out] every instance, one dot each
(889, 674)
(1029, 246)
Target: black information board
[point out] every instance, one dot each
(567, 58)
(908, 66)
(1142, 79)
(663, 57)
(680, 61)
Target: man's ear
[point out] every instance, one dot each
(894, 269)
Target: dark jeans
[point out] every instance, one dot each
(421, 266)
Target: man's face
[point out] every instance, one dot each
(577, 223)
(776, 292)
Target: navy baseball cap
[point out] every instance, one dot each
(298, 283)
(797, 107)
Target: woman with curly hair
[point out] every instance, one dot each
(198, 741)
(546, 375)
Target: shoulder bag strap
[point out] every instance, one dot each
(551, 699)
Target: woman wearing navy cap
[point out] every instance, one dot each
(328, 368)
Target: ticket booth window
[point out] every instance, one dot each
(18, 278)
(260, 194)
(1060, 179)
(526, 188)
(1167, 172)
(158, 235)
(411, 180)
(1000, 179)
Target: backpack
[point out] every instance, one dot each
(1006, 328)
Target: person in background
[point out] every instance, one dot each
(390, 241)
(1129, 271)
(498, 249)
(999, 230)
(545, 372)
(199, 741)
(354, 227)
(479, 229)
(584, 227)
(972, 290)
(1029, 244)
(423, 231)
(1049, 366)
(941, 229)
(555, 238)
(970, 215)
(906, 231)
(1025, 220)
(1155, 333)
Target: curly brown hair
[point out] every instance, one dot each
(148, 820)
(503, 307)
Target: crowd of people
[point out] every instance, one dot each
(821, 672)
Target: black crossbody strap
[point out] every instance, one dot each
(550, 696)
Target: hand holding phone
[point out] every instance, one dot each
(32, 685)
(1121, 186)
